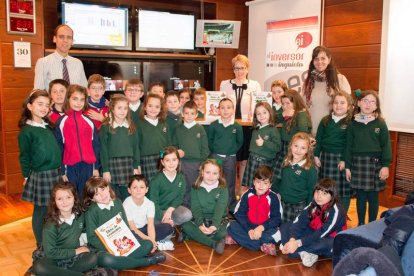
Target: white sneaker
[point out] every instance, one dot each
(165, 245)
(308, 259)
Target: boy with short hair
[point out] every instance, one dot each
(157, 88)
(258, 215)
(200, 99)
(191, 141)
(172, 101)
(57, 91)
(225, 137)
(97, 109)
(134, 90)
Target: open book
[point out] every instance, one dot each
(117, 237)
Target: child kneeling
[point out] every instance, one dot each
(313, 231)
(258, 215)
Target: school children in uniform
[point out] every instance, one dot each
(134, 90)
(258, 215)
(225, 138)
(97, 109)
(278, 88)
(185, 95)
(209, 198)
(101, 205)
(120, 155)
(64, 254)
(331, 143)
(57, 91)
(296, 119)
(312, 233)
(265, 142)
(40, 157)
(78, 139)
(191, 141)
(140, 212)
(153, 134)
(199, 97)
(157, 88)
(299, 177)
(167, 190)
(368, 153)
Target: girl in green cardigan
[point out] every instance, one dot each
(209, 198)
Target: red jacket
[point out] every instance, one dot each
(78, 138)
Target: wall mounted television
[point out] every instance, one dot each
(165, 31)
(98, 26)
(218, 33)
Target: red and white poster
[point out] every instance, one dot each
(289, 45)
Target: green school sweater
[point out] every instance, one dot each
(95, 217)
(166, 194)
(210, 205)
(297, 184)
(152, 138)
(271, 145)
(118, 144)
(225, 140)
(39, 150)
(277, 115)
(331, 138)
(372, 139)
(61, 242)
(302, 125)
(135, 115)
(192, 141)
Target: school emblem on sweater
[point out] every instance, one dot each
(217, 196)
(377, 130)
(198, 135)
(234, 131)
(80, 225)
(179, 184)
(298, 172)
(164, 129)
(266, 137)
(344, 126)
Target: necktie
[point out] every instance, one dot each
(65, 72)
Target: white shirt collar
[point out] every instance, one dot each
(189, 125)
(300, 163)
(124, 124)
(337, 118)
(277, 106)
(228, 124)
(209, 187)
(170, 178)
(262, 126)
(106, 206)
(43, 124)
(153, 122)
(67, 220)
(134, 107)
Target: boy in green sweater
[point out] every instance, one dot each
(191, 141)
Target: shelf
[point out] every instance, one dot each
(136, 55)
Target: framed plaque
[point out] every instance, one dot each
(21, 17)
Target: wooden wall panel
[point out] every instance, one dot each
(336, 2)
(363, 56)
(7, 50)
(353, 12)
(17, 180)
(11, 117)
(11, 142)
(13, 98)
(353, 34)
(13, 164)
(18, 77)
(362, 78)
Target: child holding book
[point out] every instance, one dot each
(258, 215)
(209, 199)
(140, 212)
(191, 140)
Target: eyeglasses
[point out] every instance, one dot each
(366, 101)
(239, 69)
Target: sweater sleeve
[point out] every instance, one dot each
(320, 133)
(96, 145)
(211, 131)
(196, 208)
(204, 144)
(220, 207)
(303, 123)
(348, 147)
(275, 217)
(104, 139)
(239, 137)
(386, 154)
(91, 219)
(135, 148)
(24, 156)
(155, 197)
(311, 182)
(59, 139)
(178, 200)
(50, 236)
(344, 84)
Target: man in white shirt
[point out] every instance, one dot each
(60, 65)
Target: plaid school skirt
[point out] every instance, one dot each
(365, 173)
(292, 210)
(329, 169)
(39, 186)
(252, 164)
(280, 156)
(121, 169)
(149, 166)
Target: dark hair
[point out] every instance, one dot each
(91, 186)
(58, 81)
(156, 84)
(53, 213)
(161, 115)
(263, 172)
(186, 90)
(349, 113)
(26, 114)
(225, 100)
(172, 93)
(110, 119)
(61, 26)
(190, 105)
(363, 94)
(329, 186)
(221, 180)
(138, 177)
(166, 151)
(298, 105)
(72, 89)
(269, 109)
(96, 78)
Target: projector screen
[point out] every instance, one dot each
(165, 30)
(397, 65)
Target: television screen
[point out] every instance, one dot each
(218, 33)
(97, 26)
(160, 30)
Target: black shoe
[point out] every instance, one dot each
(100, 271)
(181, 237)
(156, 258)
(219, 246)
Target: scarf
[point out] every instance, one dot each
(362, 118)
(315, 76)
(99, 105)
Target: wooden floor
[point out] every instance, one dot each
(189, 258)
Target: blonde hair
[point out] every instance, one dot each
(348, 117)
(308, 156)
(279, 83)
(116, 98)
(221, 180)
(242, 59)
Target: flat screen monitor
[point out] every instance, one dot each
(97, 26)
(218, 33)
(165, 31)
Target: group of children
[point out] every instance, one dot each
(81, 136)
